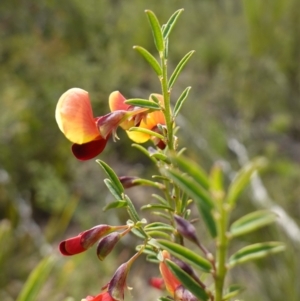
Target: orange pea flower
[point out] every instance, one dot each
(74, 116)
(144, 120)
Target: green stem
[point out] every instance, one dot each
(166, 94)
(222, 245)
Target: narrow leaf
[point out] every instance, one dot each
(144, 151)
(191, 187)
(150, 59)
(243, 178)
(146, 131)
(187, 281)
(113, 177)
(113, 205)
(181, 101)
(159, 226)
(193, 169)
(157, 233)
(156, 30)
(255, 251)
(157, 206)
(178, 68)
(113, 189)
(143, 103)
(186, 255)
(171, 22)
(208, 219)
(233, 291)
(36, 280)
(252, 222)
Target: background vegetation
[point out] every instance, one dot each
(245, 78)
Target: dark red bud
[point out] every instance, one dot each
(128, 182)
(186, 229)
(106, 244)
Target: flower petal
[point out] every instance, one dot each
(74, 116)
(71, 246)
(117, 102)
(89, 150)
(171, 281)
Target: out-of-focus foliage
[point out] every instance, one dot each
(245, 78)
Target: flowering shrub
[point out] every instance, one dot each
(180, 181)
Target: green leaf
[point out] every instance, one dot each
(156, 30)
(36, 280)
(243, 178)
(146, 131)
(181, 101)
(144, 151)
(186, 255)
(157, 206)
(164, 299)
(191, 187)
(216, 185)
(159, 226)
(252, 222)
(233, 291)
(113, 189)
(117, 204)
(178, 69)
(131, 210)
(162, 157)
(157, 233)
(161, 199)
(143, 103)
(112, 176)
(150, 59)
(146, 182)
(255, 251)
(208, 219)
(171, 23)
(193, 169)
(187, 281)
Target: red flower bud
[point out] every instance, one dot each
(128, 182)
(186, 229)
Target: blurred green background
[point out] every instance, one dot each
(245, 78)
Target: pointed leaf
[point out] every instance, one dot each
(156, 30)
(193, 169)
(181, 101)
(208, 219)
(252, 222)
(143, 103)
(144, 151)
(178, 68)
(36, 279)
(187, 281)
(255, 251)
(243, 178)
(146, 131)
(233, 291)
(191, 187)
(186, 255)
(159, 226)
(157, 206)
(113, 189)
(112, 176)
(113, 205)
(157, 233)
(171, 23)
(150, 59)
